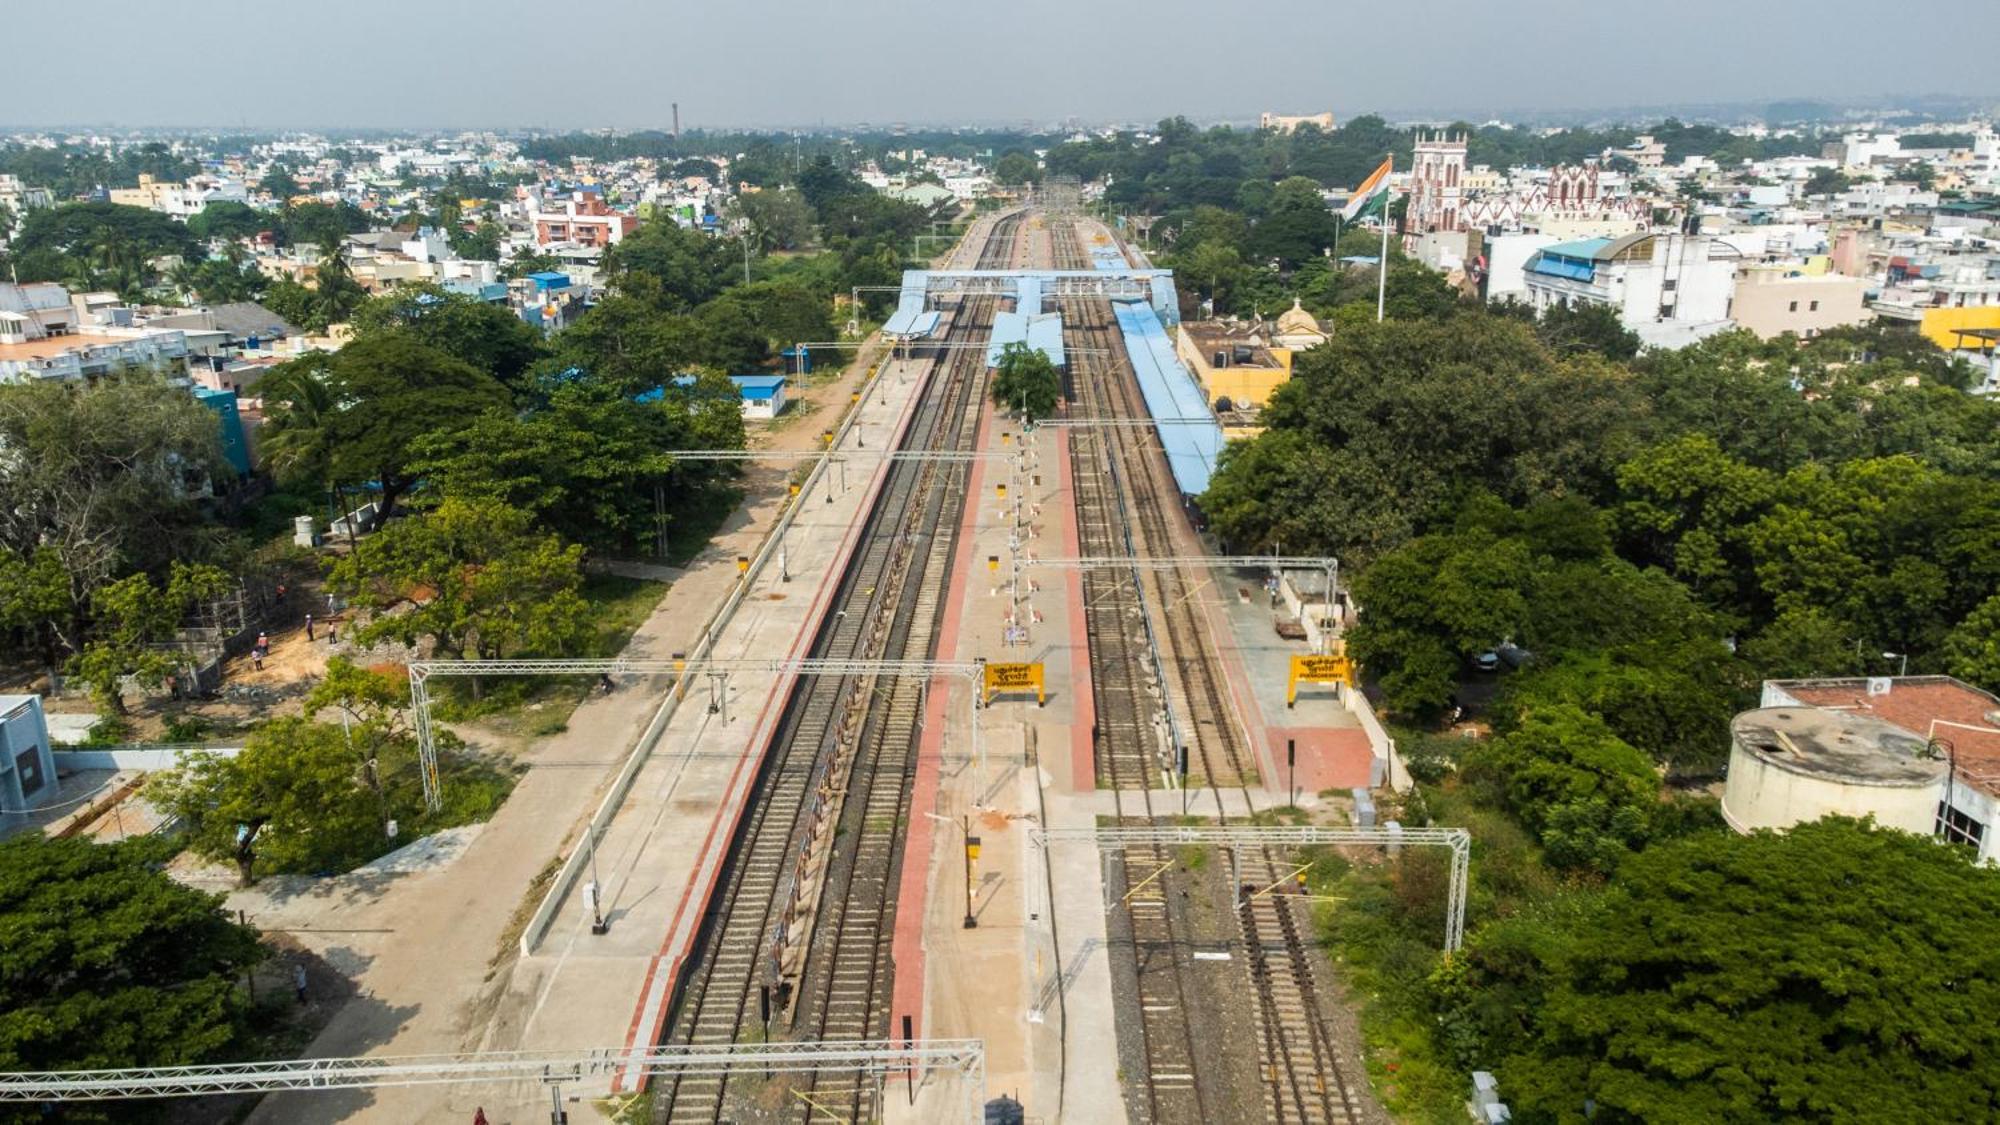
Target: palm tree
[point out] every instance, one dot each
(299, 400)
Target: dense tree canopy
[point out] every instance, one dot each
(473, 578)
(488, 337)
(105, 961)
(351, 418)
(1836, 973)
(1382, 428)
(104, 482)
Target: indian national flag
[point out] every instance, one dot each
(1364, 202)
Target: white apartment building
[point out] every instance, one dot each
(1670, 289)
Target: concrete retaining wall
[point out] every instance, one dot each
(135, 758)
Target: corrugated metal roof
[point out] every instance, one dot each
(1028, 297)
(1042, 332)
(1582, 248)
(1170, 392)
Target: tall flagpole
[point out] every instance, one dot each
(1382, 270)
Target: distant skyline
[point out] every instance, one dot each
(767, 63)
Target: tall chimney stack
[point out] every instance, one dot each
(677, 121)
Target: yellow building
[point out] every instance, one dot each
(1240, 364)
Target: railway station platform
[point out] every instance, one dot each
(661, 854)
(995, 981)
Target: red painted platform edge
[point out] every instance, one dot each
(906, 952)
(1083, 699)
(735, 795)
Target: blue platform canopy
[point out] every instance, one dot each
(1171, 393)
(1043, 333)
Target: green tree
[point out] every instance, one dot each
(1837, 972)
(1973, 648)
(133, 617)
(589, 464)
(1431, 604)
(354, 415)
(1803, 643)
(690, 267)
(103, 478)
(1026, 380)
(279, 184)
(1015, 168)
(473, 578)
(335, 293)
(318, 224)
(295, 800)
(1216, 268)
(230, 220)
(489, 337)
(1397, 420)
(106, 961)
(118, 240)
(779, 218)
(480, 244)
(1827, 181)
(1586, 795)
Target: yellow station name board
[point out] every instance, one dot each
(1003, 678)
(1317, 670)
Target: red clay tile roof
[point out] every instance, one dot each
(1923, 705)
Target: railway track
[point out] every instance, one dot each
(1120, 511)
(797, 942)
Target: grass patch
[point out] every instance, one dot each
(1387, 932)
(694, 526)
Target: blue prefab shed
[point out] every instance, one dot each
(763, 395)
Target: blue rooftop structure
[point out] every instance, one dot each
(758, 388)
(918, 286)
(911, 321)
(549, 279)
(1028, 298)
(1171, 393)
(1043, 333)
(491, 292)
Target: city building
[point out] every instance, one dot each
(1920, 753)
(1239, 364)
(1670, 289)
(181, 200)
(583, 218)
(1436, 195)
(1772, 300)
(1649, 154)
(1287, 124)
(1941, 294)
(27, 764)
(35, 310)
(548, 300)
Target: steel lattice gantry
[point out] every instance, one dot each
(1458, 840)
(964, 1057)
(421, 672)
(1328, 566)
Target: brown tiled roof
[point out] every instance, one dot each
(1923, 705)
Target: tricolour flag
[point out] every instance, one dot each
(1375, 187)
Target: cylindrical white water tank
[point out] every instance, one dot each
(1788, 765)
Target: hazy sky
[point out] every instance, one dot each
(421, 63)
